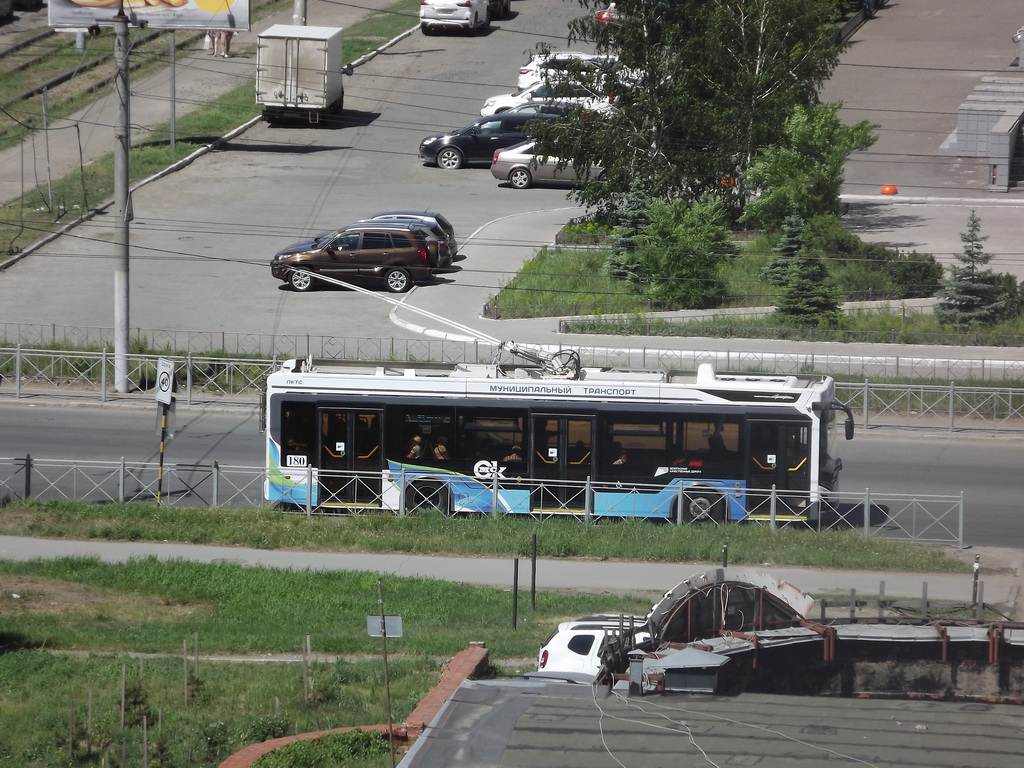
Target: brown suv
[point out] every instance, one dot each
(397, 255)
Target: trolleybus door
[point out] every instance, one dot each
(779, 456)
(561, 460)
(351, 458)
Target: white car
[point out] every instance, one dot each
(542, 66)
(575, 647)
(538, 93)
(470, 15)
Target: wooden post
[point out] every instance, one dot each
(184, 667)
(124, 672)
(533, 573)
(515, 592)
(305, 671)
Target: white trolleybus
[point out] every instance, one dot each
(552, 439)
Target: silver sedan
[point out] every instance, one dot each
(522, 167)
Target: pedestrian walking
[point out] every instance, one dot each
(223, 46)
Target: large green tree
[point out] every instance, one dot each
(702, 86)
(679, 255)
(803, 174)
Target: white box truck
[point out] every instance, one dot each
(299, 72)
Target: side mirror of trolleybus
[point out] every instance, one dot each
(849, 418)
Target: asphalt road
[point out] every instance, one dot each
(885, 461)
(202, 237)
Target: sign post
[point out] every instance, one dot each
(164, 399)
(381, 626)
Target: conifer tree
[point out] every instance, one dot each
(807, 299)
(790, 242)
(972, 296)
(634, 217)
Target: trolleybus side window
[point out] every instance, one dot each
(634, 445)
(487, 436)
(428, 435)
(299, 438)
(700, 445)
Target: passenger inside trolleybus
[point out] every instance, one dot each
(515, 455)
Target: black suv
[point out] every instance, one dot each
(478, 141)
(397, 255)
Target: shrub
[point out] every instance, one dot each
(329, 750)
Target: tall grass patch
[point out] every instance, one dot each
(499, 537)
(564, 281)
(228, 705)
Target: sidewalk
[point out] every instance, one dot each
(1001, 570)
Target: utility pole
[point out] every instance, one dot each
(122, 201)
(299, 13)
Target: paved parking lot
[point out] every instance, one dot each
(202, 237)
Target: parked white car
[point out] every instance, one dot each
(538, 93)
(574, 649)
(470, 15)
(544, 66)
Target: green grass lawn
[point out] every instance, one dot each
(508, 536)
(78, 626)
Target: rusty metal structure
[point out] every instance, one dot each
(730, 631)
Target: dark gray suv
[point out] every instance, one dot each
(439, 254)
(478, 141)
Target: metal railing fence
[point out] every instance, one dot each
(39, 371)
(181, 343)
(205, 380)
(221, 345)
(952, 406)
(913, 517)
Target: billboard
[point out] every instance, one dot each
(153, 14)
